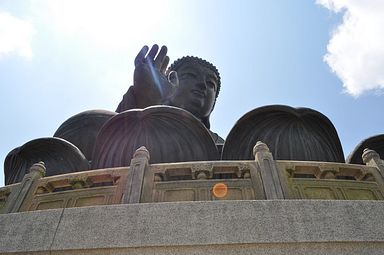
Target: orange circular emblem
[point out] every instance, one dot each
(220, 190)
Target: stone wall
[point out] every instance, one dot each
(210, 227)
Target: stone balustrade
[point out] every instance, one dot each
(261, 179)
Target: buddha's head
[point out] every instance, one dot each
(199, 86)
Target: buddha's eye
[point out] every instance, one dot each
(211, 84)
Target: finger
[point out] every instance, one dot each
(152, 53)
(141, 55)
(164, 65)
(160, 57)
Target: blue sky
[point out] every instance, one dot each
(59, 58)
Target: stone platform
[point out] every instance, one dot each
(202, 227)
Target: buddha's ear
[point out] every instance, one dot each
(173, 78)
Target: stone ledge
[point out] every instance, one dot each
(242, 249)
(272, 222)
(28, 231)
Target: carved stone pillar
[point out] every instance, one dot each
(17, 197)
(268, 170)
(139, 164)
(372, 158)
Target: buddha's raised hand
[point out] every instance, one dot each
(151, 85)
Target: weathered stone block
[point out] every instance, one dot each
(28, 232)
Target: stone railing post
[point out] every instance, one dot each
(268, 171)
(372, 158)
(134, 186)
(17, 197)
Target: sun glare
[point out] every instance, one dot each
(107, 23)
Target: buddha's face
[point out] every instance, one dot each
(197, 89)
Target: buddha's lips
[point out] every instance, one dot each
(198, 93)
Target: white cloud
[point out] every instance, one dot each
(356, 49)
(15, 36)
